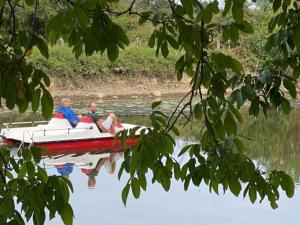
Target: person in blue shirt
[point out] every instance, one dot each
(65, 169)
(67, 111)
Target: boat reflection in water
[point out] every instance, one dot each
(89, 163)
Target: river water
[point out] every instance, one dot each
(273, 143)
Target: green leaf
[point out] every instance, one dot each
(42, 46)
(112, 52)
(47, 104)
(236, 113)
(213, 104)
(274, 205)
(164, 49)
(176, 169)
(42, 175)
(227, 7)
(125, 193)
(245, 27)
(237, 67)
(123, 138)
(213, 7)
(135, 187)
(30, 2)
(254, 107)
(234, 186)
(36, 100)
(77, 49)
(219, 129)
(179, 68)
(205, 15)
(151, 41)
(184, 150)
(144, 16)
(286, 105)
(166, 183)
(143, 182)
(187, 183)
(287, 184)
(172, 42)
(66, 214)
(297, 38)
(252, 194)
(214, 185)
(291, 87)
(142, 20)
(198, 111)
(276, 5)
(155, 104)
(188, 7)
(225, 33)
(81, 15)
(248, 92)
(230, 124)
(175, 131)
(11, 95)
(121, 170)
(276, 98)
(22, 171)
(237, 12)
(239, 145)
(234, 33)
(30, 170)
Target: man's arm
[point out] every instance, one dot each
(72, 117)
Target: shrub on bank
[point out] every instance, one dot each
(137, 59)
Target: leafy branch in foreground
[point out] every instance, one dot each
(24, 182)
(218, 159)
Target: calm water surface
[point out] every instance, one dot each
(273, 143)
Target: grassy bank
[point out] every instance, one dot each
(137, 59)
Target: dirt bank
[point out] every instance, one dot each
(117, 87)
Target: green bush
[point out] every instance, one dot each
(135, 60)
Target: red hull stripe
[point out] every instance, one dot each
(80, 146)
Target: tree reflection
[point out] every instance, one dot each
(273, 142)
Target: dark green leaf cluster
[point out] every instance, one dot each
(227, 170)
(219, 87)
(219, 157)
(86, 27)
(25, 183)
(285, 38)
(22, 83)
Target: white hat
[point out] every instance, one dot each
(65, 100)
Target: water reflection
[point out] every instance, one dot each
(89, 164)
(103, 205)
(273, 143)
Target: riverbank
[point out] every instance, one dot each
(117, 87)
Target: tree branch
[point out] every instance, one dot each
(169, 124)
(1, 13)
(3, 175)
(33, 31)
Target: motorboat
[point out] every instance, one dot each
(59, 137)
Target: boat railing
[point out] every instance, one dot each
(23, 141)
(26, 132)
(60, 129)
(33, 123)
